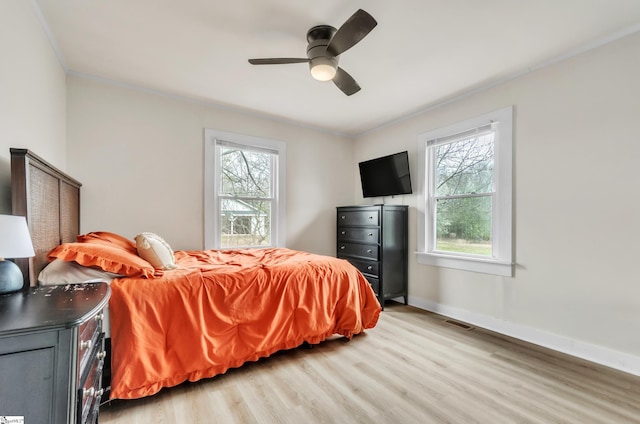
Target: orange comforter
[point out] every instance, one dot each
(220, 309)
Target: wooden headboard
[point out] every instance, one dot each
(50, 200)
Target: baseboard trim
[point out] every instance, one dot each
(597, 354)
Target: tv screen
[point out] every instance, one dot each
(386, 176)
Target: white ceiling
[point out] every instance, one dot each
(422, 53)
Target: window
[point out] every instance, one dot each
(464, 204)
(244, 191)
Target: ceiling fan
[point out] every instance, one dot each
(326, 44)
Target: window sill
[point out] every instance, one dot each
(485, 266)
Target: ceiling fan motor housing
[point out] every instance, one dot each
(322, 65)
(319, 38)
(321, 32)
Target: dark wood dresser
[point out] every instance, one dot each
(374, 240)
(51, 353)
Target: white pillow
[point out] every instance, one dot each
(153, 249)
(70, 272)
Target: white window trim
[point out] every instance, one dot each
(211, 207)
(502, 261)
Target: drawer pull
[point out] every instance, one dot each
(343, 217)
(342, 247)
(369, 251)
(85, 344)
(343, 232)
(370, 217)
(88, 392)
(101, 355)
(370, 234)
(369, 268)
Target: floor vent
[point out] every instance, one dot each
(459, 324)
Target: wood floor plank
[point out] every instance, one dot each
(413, 367)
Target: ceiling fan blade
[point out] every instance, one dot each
(277, 61)
(345, 82)
(351, 32)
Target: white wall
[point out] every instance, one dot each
(576, 207)
(140, 155)
(32, 93)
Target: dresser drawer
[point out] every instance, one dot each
(89, 389)
(371, 217)
(366, 267)
(366, 235)
(367, 251)
(375, 284)
(88, 337)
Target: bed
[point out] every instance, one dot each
(185, 315)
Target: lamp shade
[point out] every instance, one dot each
(15, 240)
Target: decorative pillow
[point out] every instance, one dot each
(155, 250)
(63, 272)
(107, 257)
(108, 238)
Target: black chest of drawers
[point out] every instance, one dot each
(374, 239)
(51, 353)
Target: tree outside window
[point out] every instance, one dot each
(464, 194)
(245, 196)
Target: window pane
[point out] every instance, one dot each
(463, 225)
(465, 166)
(245, 173)
(245, 223)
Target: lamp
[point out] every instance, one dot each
(15, 242)
(323, 68)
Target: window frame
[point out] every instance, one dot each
(501, 262)
(212, 224)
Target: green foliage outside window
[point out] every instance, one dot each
(464, 194)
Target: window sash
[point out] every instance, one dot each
(262, 199)
(464, 135)
(245, 147)
(434, 241)
(253, 233)
(463, 196)
(273, 175)
(473, 135)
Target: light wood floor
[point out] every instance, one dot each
(412, 368)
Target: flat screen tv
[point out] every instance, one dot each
(386, 176)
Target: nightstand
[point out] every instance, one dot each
(51, 353)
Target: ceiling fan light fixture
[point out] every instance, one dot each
(323, 68)
(326, 44)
